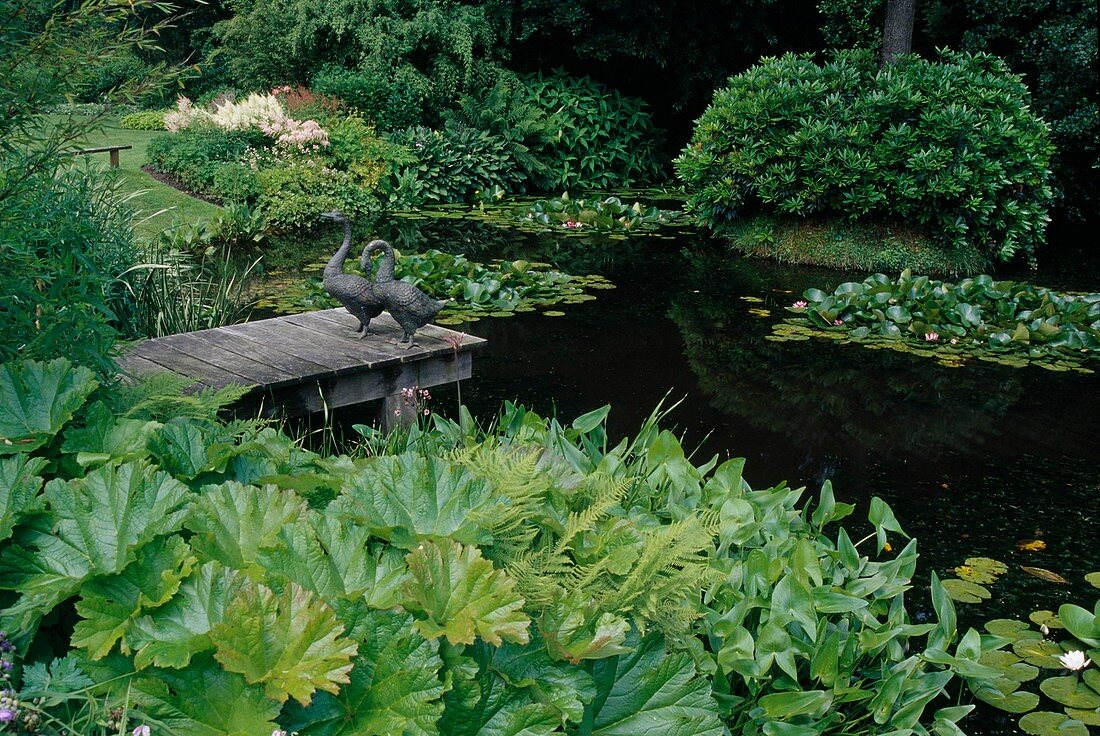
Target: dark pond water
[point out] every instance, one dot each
(972, 459)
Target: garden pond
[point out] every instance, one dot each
(982, 460)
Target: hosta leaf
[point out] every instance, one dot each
(109, 605)
(37, 399)
(205, 700)
(173, 633)
(291, 643)
(395, 687)
(649, 692)
(460, 596)
(19, 486)
(333, 558)
(407, 498)
(234, 522)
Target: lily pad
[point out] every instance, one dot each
(553, 313)
(1031, 545)
(1087, 717)
(1046, 618)
(1045, 723)
(1044, 574)
(1093, 579)
(981, 570)
(1011, 629)
(1071, 692)
(1039, 652)
(1017, 701)
(966, 592)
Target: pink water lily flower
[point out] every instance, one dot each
(838, 322)
(931, 337)
(142, 730)
(801, 304)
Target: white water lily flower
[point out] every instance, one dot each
(1075, 660)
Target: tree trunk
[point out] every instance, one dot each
(897, 36)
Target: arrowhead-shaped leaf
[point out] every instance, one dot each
(172, 634)
(234, 522)
(37, 399)
(407, 498)
(651, 693)
(109, 605)
(19, 486)
(291, 643)
(395, 687)
(205, 700)
(460, 595)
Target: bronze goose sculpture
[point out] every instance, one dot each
(408, 305)
(355, 293)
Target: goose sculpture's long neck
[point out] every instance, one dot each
(335, 266)
(386, 268)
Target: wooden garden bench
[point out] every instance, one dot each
(112, 150)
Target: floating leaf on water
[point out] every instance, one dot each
(966, 592)
(1018, 701)
(1093, 579)
(1046, 618)
(753, 299)
(1045, 723)
(1011, 629)
(984, 570)
(1044, 574)
(553, 313)
(1087, 717)
(1031, 545)
(1039, 652)
(1070, 691)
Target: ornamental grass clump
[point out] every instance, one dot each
(947, 149)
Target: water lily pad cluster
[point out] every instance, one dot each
(606, 214)
(1008, 322)
(973, 577)
(1065, 670)
(495, 289)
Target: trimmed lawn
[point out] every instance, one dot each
(158, 205)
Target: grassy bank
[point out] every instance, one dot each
(157, 204)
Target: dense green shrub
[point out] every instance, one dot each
(949, 148)
(194, 155)
(294, 196)
(391, 101)
(235, 182)
(356, 147)
(600, 139)
(457, 164)
(143, 120)
(66, 241)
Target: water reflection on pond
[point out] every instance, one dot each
(973, 459)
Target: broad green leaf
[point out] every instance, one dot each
(981, 570)
(37, 399)
(882, 516)
(1071, 692)
(565, 687)
(964, 592)
(108, 606)
(234, 522)
(649, 692)
(1016, 701)
(19, 486)
(1039, 652)
(291, 643)
(333, 557)
(407, 498)
(461, 596)
(205, 700)
(575, 630)
(1081, 623)
(106, 437)
(180, 447)
(395, 687)
(172, 634)
(813, 703)
(482, 703)
(1044, 723)
(60, 676)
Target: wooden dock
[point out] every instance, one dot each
(305, 362)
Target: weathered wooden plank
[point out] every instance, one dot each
(335, 352)
(180, 362)
(429, 341)
(260, 352)
(382, 342)
(255, 372)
